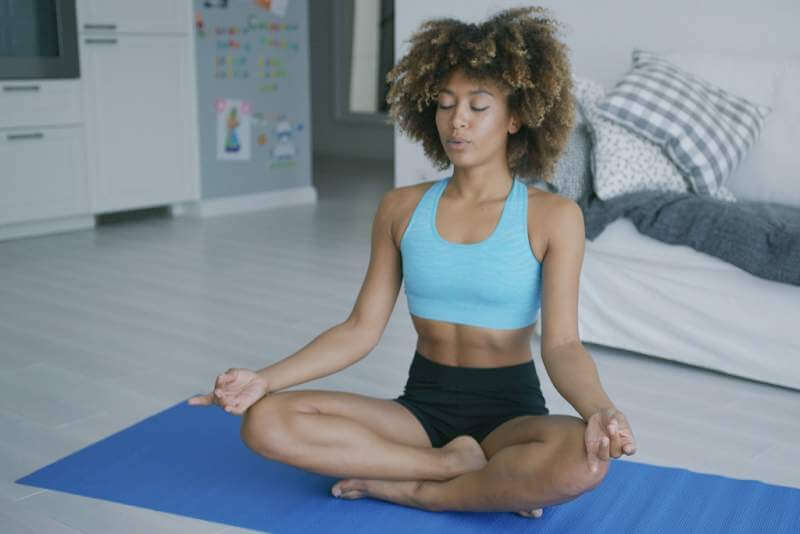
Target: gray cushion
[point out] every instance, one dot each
(573, 177)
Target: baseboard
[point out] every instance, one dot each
(244, 203)
(46, 226)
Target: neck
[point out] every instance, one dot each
(479, 185)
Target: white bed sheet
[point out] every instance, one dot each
(673, 302)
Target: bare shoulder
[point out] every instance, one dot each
(553, 215)
(401, 202)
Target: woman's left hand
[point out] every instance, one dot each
(608, 435)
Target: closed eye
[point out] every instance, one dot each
(473, 109)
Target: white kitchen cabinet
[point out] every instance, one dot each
(138, 117)
(123, 136)
(44, 174)
(139, 16)
(39, 103)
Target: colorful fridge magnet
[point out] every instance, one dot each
(233, 129)
(198, 23)
(284, 150)
(275, 6)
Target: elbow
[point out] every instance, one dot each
(363, 335)
(562, 350)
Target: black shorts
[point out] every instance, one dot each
(451, 401)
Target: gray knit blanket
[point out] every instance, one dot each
(761, 238)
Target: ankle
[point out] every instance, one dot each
(453, 462)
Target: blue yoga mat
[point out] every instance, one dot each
(189, 460)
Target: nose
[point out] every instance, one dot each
(459, 118)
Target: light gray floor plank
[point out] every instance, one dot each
(103, 328)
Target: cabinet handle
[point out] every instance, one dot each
(12, 88)
(108, 40)
(20, 137)
(99, 26)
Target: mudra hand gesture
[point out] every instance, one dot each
(608, 435)
(235, 391)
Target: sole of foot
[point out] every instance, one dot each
(466, 454)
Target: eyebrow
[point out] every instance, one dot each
(476, 91)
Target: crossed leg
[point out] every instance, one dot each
(345, 434)
(533, 461)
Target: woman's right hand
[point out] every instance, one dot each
(235, 391)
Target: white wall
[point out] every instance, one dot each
(602, 34)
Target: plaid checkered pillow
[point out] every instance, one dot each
(703, 129)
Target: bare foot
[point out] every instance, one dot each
(537, 513)
(466, 455)
(463, 454)
(396, 491)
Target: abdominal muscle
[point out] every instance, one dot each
(472, 346)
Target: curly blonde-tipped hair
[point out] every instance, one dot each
(513, 49)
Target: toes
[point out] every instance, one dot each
(352, 494)
(531, 513)
(348, 489)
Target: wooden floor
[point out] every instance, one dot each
(101, 328)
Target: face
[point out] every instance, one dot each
(477, 113)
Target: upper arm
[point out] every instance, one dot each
(378, 295)
(561, 268)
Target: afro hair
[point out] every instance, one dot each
(517, 50)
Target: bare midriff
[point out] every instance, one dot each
(472, 346)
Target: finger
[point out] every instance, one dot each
(591, 454)
(594, 455)
(201, 400)
(231, 375)
(591, 459)
(628, 443)
(222, 379)
(615, 445)
(603, 451)
(597, 455)
(629, 448)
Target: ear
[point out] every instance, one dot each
(514, 125)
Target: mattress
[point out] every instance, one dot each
(673, 302)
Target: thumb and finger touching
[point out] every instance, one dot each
(201, 400)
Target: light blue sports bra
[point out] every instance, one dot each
(494, 283)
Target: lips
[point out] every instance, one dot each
(457, 143)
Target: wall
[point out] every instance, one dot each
(601, 35)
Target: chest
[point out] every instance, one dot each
(465, 224)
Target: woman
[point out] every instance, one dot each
(471, 431)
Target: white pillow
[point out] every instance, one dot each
(623, 162)
(770, 172)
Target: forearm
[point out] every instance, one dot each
(336, 348)
(574, 375)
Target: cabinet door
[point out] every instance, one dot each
(139, 16)
(138, 108)
(44, 174)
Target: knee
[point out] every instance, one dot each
(577, 477)
(262, 428)
(583, 479)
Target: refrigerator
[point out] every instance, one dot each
(254, 96)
